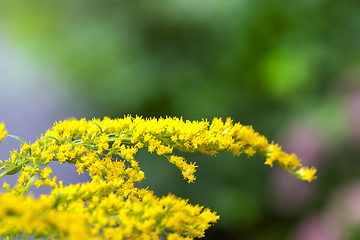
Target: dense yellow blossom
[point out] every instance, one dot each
(110, 206)
(93, 209)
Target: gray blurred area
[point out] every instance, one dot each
(31, 100)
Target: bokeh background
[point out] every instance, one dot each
(291, 69)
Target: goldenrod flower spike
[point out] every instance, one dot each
(110, 206)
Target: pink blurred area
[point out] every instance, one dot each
(315, 228)
(341, 211)
(354, 117)
(334, 222)
(291, 195)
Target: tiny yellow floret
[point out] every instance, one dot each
(3, 131)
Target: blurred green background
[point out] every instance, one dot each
(289, 69)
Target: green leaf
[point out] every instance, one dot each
(15, 169)
(96, 125)
(57, 141)
(18, 138)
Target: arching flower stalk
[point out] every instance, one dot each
(110, 206)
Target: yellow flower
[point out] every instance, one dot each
(307, 174)
(3, 131)
(110, 206)
(102, 144)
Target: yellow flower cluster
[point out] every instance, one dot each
(110, 206)
(3, 132)
(105, 210)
